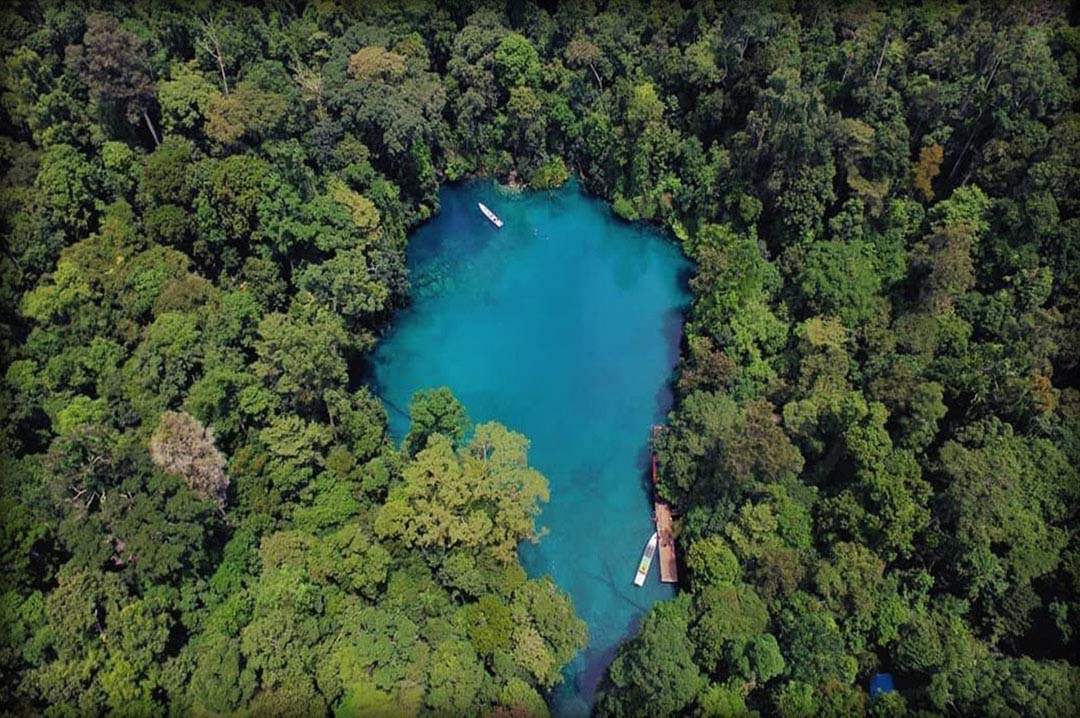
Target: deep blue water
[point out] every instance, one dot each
(564, 326)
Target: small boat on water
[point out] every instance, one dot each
(490, 215)
(646, 560)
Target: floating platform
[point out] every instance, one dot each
(494, 218)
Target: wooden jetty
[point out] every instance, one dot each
(669, 572)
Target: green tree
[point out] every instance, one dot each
(516, 61)
(546, 633)
(654, 673)
(840, 279)
(166, 176)
(456, 677)
(184, 98)
(483, 496)
(64, 187)
(1007, 507)
(301, 354)
(756, 660)
(946, 253)
(725, 614)
(435, 411)
(711, 562)
(813, 646)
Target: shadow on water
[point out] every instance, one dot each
(684, 274)
(672, 331)
(643, 462)
(673, 322)
(361, 370)
(586, 481)
(597, 662)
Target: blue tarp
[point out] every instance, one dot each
(881, 683)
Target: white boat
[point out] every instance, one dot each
(490, 215)
(646, 560)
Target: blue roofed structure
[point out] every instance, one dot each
(881, 683)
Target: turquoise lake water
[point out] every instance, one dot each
(564, 326)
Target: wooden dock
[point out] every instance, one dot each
(669, 572)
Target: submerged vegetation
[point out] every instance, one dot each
(874, 448)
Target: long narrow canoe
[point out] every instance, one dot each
(490, 215)
(646, 560)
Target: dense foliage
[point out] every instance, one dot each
(205, 213)
(875, 445)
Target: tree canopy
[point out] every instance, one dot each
(873, 448)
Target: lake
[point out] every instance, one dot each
(564, 325)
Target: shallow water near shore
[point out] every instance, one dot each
(564, 325)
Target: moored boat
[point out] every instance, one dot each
(490, 215)
(646, 560)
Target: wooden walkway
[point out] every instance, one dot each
(669, 572)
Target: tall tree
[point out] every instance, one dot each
(114, 65)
